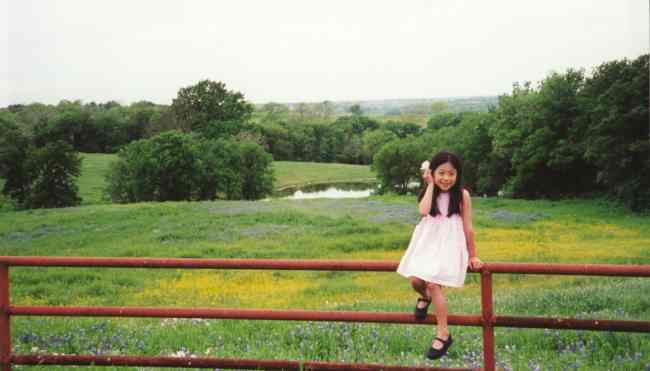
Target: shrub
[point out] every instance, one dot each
(176, 166)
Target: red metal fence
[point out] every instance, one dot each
(487, 320)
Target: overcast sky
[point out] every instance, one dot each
(304, 50)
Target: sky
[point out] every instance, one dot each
(311, 51)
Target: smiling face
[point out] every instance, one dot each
(444, 176)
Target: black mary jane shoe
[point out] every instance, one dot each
(421, 313)
(434, 353)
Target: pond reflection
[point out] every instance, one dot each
(333, 190)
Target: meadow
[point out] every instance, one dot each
(377, 228)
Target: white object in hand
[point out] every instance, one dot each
(425, 165)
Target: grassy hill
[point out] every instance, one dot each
(375, 228)
(288, 173)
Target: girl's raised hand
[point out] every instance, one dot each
(426, 176)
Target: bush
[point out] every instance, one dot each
(162, 168)
(176, 166)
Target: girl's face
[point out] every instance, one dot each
(444, 176)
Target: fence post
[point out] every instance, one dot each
(5, 330)
(487, 319)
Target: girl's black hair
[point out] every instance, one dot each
(455, 193)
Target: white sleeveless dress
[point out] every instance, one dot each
(437, 252)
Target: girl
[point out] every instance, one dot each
(442, 244)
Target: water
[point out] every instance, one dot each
(334, 190)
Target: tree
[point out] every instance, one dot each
(355, 110)
(539, 131)
(162, 120)
(397, 164)
(207, 101)
(52, 171)
(219, 170)
(70, 123)
(372, 141)
(13, 155)
(276, 141)
(444, 119)
(36, 177)
(617, 133)
(274, 111)
(402, 129)
(355, 124)
(256, 171)
(163, 168)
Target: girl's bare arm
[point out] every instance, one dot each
(427, 199)
(467, 224)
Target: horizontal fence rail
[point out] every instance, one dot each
(487, 319)
(186, 362)
(318, 265)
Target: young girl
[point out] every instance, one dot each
(442, 244)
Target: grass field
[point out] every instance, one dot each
(377, 228)
(287, 173)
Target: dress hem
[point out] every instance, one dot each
(438, 282)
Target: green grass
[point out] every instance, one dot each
(291, 173)
(378, 228)
(91, 182)
(288, 174)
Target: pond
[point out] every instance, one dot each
(330, 190)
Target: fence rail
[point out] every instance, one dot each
(487, 319)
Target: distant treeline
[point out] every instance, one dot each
(572, 134)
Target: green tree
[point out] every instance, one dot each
(539, 131)
(276, 141)
(52, 171)
(163, 168)
(397, 164)
(219, 170)
(617, 137)
(14, 147)
(444, 119)
(207, 101)
(256, 171)
(71, 124)
(402, 129)
(372, 141)
(355, 110)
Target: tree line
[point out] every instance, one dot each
(572, 134)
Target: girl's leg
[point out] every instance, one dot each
(438, 299)
(420, 286)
